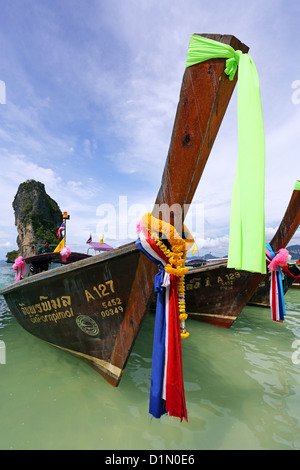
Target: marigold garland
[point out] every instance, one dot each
(176, 256)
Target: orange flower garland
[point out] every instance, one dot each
(176, 256)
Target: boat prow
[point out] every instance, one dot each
(217, 295)
(81, 307)
(94, 307)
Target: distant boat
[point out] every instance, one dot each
(217, 295)
(98, 247)
(94, 307)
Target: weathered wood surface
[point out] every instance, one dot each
(79, 307)
(261, 297)
(205, 93)
(283, 236)
(217, 295)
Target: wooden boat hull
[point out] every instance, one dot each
(205, 93)
(261, 297)
(217, 295)
(83, 308)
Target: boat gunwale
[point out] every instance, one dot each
(206, 267)
(76, 265)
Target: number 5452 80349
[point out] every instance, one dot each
(111, 307)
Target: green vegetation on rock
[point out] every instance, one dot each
(37, 215)
(11, 256)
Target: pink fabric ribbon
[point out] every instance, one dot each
(65, 253)
(280, 259)
(19, 266)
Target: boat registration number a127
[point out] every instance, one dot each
(53, 310)
(100, 291)
(110, 306)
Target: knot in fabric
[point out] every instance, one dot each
(246, 249)
(232, 64)
(158, 281)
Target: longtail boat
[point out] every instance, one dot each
(94, 307)
(261, 297)
(290, 277)
(216, 294)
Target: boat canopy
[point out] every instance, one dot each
(100, 246)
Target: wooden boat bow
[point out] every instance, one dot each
(289, 223)
(205, 93)
(217, 295)
(285, 232)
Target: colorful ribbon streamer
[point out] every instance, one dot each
(247, 222)
(167, 387)
(19, 266)
(297, 185)
(277, 303)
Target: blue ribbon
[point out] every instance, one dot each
(157, 405)
(279, 285)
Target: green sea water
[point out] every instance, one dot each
(242, 389)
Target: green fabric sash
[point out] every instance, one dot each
(297, 185)
(247, 220)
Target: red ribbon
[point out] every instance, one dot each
(286, 269)
(175, 397)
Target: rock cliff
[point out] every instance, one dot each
(37, 217)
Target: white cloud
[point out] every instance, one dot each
(77, 197)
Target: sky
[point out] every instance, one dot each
(88, 96)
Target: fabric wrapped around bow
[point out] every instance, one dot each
(19, 266)
(65, 253)
(167, 386)
(275, 263)
(280, 260)
(247, 221)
